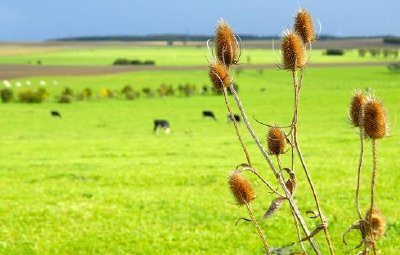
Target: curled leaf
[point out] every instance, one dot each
(245, 219)
(355, 225)
(274, 207)
(312, 214)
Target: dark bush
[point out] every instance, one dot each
(31, 96)
(165, 90)
(149, 62)
(390, 52)
(132, 94)
(125, 61)
(64, 99)
(148, 92)
(7, 95)
(85, 94)
(187, 89)
(394, 67)
(392, 39)
(121, 61)
(362, 52)
(129, 92)
(126, 89)
(375, 52)
(334, 52)
(67, 91)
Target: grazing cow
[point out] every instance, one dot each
(236, 116)
(209, 114)
(162, 124)
(55, 114)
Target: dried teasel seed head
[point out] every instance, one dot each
(225, 43)
(356, 108)
(241, 188)
(375, 223)
(303, 25)
(374, 120)
(293, 51)
(276, 141)
(219, 75)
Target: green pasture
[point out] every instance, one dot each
(163, 56)
(99, 181)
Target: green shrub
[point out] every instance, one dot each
(64, 99)
(394, 67)
(392, 39)
(375, 52)
(148, 92)
(362, 52)
(334, 52)
(31, 96)
(7, 95)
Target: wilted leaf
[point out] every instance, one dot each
(312, 214)
(274, 207)
(245, 219)
(355, 225)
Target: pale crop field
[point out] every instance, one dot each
(99, 181)
(163, 56)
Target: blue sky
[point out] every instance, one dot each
(27, 20)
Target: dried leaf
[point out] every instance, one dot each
(243, 165)
(245, 219)
(355, 225)
(274, 207)
(313, 233)
(312, 214)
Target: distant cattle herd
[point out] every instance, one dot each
(164, 124)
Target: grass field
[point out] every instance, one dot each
(98, 181)
(163, 56)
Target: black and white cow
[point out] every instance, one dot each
(209, 114)
(164, 124)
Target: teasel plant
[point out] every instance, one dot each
(368, 114)
(225, 51)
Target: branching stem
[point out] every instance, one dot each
(297, 87)
(236, 126)
(360, 161)
(259, 231)
(267, 158)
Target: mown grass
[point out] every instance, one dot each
(163, 56)
(99, 181)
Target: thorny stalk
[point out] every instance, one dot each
(280, 180)
(297, 86)
(294, 216)
(360, 161)
(254, 171)
(236, 126)
(259, 231)
(373, 180)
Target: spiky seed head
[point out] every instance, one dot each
(303, 25)
(219, 75)
(225, 43)
(241, 188)
(293, 51)
(375, 223)
(276, 141)
(356, 108)
(374, 120)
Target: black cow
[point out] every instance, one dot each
(164, 124)
(236, 116)
(55, 114)
(209, 114)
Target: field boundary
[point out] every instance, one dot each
(13, 71)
